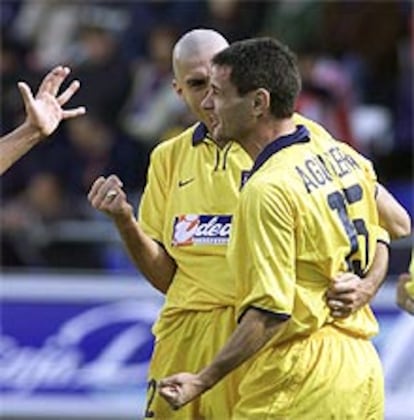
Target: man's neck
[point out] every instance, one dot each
(264, 133)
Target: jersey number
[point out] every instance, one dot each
(338, 201)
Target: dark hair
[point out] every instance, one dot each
(264, 63)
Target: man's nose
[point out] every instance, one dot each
(207, 102)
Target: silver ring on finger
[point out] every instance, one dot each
(111, 194)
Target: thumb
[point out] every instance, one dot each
(168, 391)
(26, 93)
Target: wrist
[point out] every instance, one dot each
(372, 283)
(208, 377)
(124, 220)
(31, 132)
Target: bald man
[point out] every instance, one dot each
(180, 240)
(43, 115)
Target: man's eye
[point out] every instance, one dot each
(197, 83)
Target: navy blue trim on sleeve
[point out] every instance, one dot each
(384, 242)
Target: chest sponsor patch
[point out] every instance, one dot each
(201, 229)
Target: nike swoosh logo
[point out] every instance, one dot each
(181, 183)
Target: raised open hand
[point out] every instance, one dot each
(44, 112)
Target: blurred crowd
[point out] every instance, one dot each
(356, 61)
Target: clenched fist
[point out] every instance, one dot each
(107, 195)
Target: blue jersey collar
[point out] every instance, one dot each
(301, 135)
(200, 133)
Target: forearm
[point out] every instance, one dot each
(378, 270)
(392, 215)
(254, 331)
(149, 256)
(16, 144)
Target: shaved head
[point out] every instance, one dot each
(196, 44)
(191, 59)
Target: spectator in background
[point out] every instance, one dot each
(372, 57)
(25, 218)
(298, 23)
(103, 69)
(95, 148)
(51, 27)
(326, 94)
(153, 106)
(48, 28)
(370, 31)
(31, 227)
(145, 15)
(13, 68)
(235, 19)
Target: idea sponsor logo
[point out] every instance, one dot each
(204, 229)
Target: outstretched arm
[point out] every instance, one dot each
(44, 113)
(150, 257)
(254, 331)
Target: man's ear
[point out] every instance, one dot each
(261, 101)
(177, 87)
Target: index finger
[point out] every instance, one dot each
(95, 187)
(53, 80)
(115, 181)
(344, 277)
(168, 381)
(339, 288)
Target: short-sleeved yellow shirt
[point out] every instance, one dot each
(307, 212)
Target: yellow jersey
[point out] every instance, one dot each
(192, 189)
(307, 212)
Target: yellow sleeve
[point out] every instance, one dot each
(362, 161)
(151, 213)
(262, 252)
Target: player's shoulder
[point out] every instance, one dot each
(314, 128)
(356, 156)
(175, 145)
(270, 180)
